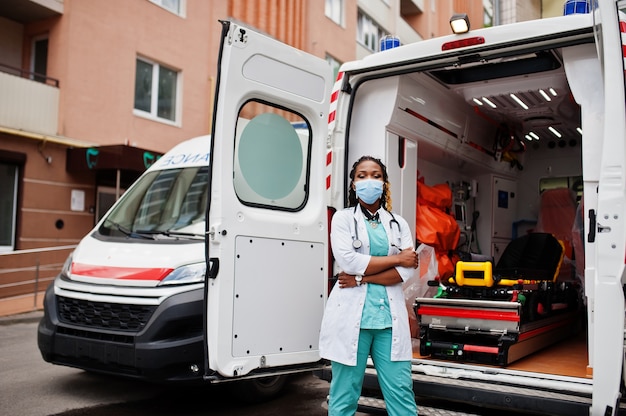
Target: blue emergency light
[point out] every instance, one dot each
(389, 42)
(575, 7)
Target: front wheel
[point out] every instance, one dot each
(260, 389)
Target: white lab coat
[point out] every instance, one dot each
(339, 333)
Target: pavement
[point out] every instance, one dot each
(27, 317)
(21, 305)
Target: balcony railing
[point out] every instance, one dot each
(29, 74)
(25, 276)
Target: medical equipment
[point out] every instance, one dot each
(357, 243)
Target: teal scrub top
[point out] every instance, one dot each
(376, 312)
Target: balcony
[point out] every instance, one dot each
(26, 11)
(411, 7)
(27, 104)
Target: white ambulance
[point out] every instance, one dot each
(502, 115)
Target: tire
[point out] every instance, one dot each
(258, 390)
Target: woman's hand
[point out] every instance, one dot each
(408, 258)
(345, 280)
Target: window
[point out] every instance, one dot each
(369, 33)
(174, 6)
(272, 150)
(575, 183)
(156, 88)
(334, 10)
(105, 198)
(8, 205)
(334, 64)
(487, 13)
(39, 59)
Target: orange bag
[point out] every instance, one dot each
(438, 196)
(433, 224)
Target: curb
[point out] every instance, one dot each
(22, 318)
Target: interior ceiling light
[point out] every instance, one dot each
(477, 101)
(459, 23)
(533, 135)
(555, 132)
(552, 91)
(579, 130)
(488, 101)
(520, 102)
(545, 95)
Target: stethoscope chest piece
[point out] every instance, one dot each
(357, 243)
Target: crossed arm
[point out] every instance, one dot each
(382, 269)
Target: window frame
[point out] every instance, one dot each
(249, 194)
(363, 19)
(181, 10)
(154, 93)
(334, 64)
(13, 218)
(39, 58)
(334, 7)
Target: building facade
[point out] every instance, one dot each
(93, 91)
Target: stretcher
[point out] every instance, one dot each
(496, 315)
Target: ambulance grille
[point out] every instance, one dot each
(101, 315)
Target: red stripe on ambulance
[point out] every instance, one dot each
(122, 273)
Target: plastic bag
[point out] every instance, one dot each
(417, 285)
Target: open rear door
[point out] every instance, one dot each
(607, 227)
(267, 226)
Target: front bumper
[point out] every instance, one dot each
(168, 347)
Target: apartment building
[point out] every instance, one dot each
(93, 91)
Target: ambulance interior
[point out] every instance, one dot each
(497, 142)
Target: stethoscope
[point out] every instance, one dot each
(357, 243)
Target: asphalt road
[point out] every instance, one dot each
(29, 386)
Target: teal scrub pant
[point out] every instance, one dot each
(394, 378)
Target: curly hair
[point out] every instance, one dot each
(385, 199)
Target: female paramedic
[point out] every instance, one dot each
(366, 312)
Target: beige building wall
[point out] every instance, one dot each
(435, 19)
(552, 8)
(94, 48)
(325, 37)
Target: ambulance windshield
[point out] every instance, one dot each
(164, 203)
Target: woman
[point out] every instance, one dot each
(366, 311)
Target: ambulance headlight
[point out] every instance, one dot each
(66, 270)
(192, 273)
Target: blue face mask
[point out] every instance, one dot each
(368, 190)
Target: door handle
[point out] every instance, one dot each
(215, 267)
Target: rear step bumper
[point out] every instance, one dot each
(483, 394)
(377, 406)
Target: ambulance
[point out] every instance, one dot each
(215, 265)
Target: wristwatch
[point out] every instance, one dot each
(358, 278)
